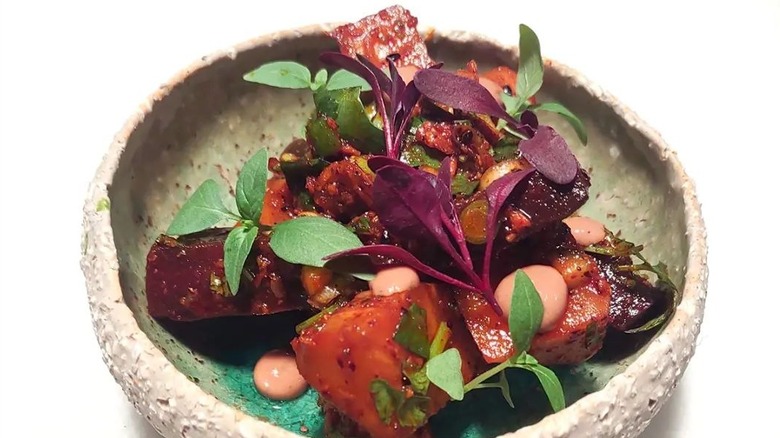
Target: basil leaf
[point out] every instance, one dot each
(530, 71)
(346, 79)
(319, 79)
(306, 240)
(281, 74)
(417, 155)
(237, 247)
(412, 331)
(444, 371)
(550, 383)
(204, 209)
(574, 121)
(525, 312)
(250, 187)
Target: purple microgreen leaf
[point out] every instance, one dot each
(497, 193)
(451, 219)
(409, 99)
(367, 72)
(402, 256)
(529, 122)
(461, 93)
(377, 162)
(410, 205)
(384, 82)
(550, 154)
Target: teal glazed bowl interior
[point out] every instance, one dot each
(195, 379)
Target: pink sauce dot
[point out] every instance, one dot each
(551, 288)
(277, 377)
(586, 231)
(393, 280)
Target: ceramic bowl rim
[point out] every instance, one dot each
(166, 397)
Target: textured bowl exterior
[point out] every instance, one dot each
(176, 406)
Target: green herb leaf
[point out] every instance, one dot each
(417, 155)
(412, 331)
(440, 340)
(344, 106)
(550, 383)
(346, 79)
(514, 106)
(419, 380)
(525, 313)
(306, 240)
(503, 385)
(319, 79)
(530, 71)
(444, 371)
(411, 413)
(204, 209)
(237, 247)
(386, 399)
(323, 136)
(250, 187)
(281, 74)
(462, 185)
(574, 121)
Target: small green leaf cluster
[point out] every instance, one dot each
(530, 75)
(443, 368)
(292, 75)
(205, 208)
(303, 240)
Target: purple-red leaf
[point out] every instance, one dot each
(403, 256)
(367, 73)
(451, 220)
(410, 205)
(377, 162)
(461, 93)
(497, 194)
(384, 82)
(550, 154)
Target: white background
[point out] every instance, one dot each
(704, 74)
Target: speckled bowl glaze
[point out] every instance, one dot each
(207, 121)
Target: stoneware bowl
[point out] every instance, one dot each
(207, 121)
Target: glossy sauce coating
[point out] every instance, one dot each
(393, 280)
(586, 231)
(276, 376)
(552, 291)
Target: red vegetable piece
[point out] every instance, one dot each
(390, 31)
(345, 351)
(185, 280)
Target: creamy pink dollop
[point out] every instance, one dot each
(407, 72)
(586, 231)
(493, 87)
(552, 290)
(277, 377)
(393, 280)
